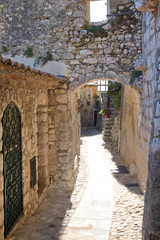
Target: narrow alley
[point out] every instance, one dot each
(111, 207)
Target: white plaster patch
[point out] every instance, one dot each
(53, 67)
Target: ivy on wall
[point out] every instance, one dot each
(114, 91)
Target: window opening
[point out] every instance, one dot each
(102, 86)
(98, 11)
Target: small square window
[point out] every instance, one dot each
(98, 11)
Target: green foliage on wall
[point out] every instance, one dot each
(136, 74)
(114, 91)
(97, 31)
(4, 49)
(28, 52)
(42, 60)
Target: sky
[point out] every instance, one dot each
(98, 11)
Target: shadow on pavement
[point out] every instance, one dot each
(48, 221)
(120, 172)
(88, 132)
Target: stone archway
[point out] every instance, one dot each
(108, 75)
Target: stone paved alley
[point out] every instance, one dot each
(111, 207)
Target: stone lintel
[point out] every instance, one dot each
(146, 5)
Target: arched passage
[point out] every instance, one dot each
(109, 75)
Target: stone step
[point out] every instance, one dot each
(107, 132)
(108, 119)
(108, 123)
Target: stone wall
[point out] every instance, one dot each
(134, 146)
(88, 105)
(64, 137)
(26, 102)
(61, 28)
(150, 113)
(50, 132)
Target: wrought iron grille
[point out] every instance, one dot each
(33, 171)
(12, 167)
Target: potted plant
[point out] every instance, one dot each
(105, 112)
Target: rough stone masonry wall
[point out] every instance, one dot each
(151, 116)
(29, 91)
(58, 27)
(63, 137)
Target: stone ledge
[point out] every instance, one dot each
(146, 5)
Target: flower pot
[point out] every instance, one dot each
(106, 114)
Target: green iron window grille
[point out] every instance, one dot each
(33, 172)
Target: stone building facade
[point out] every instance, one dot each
(56, 37)
(89, 105)
(150, 112)
(35, 110)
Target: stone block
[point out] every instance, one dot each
(63, 158)
(92, 45)
(61, 98)
(133, 170)
(1, 183)
(1, 200)
(61, 117)
(64, 136)
(63, 145)
(74, 62)
(26, 172)
(85, 52)
(43, 138)
(146, 5)
(42, 117)
(42, 98)
(1, 163)
(51, 137)
(125, 61)
(2, 233)
(2, 217)
(60, 91)
(67, 175)
(71, 49)
(141, 65)
(90, 60)
(43, 127)
(156, 127)
(26, 200)
(158, 110)
(42, 150)
(1, 131)
(78, 14)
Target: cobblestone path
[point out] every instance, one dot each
(55, 215)
(129, 202)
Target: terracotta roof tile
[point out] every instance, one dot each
(17, 65)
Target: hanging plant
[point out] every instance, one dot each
(28, 52)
